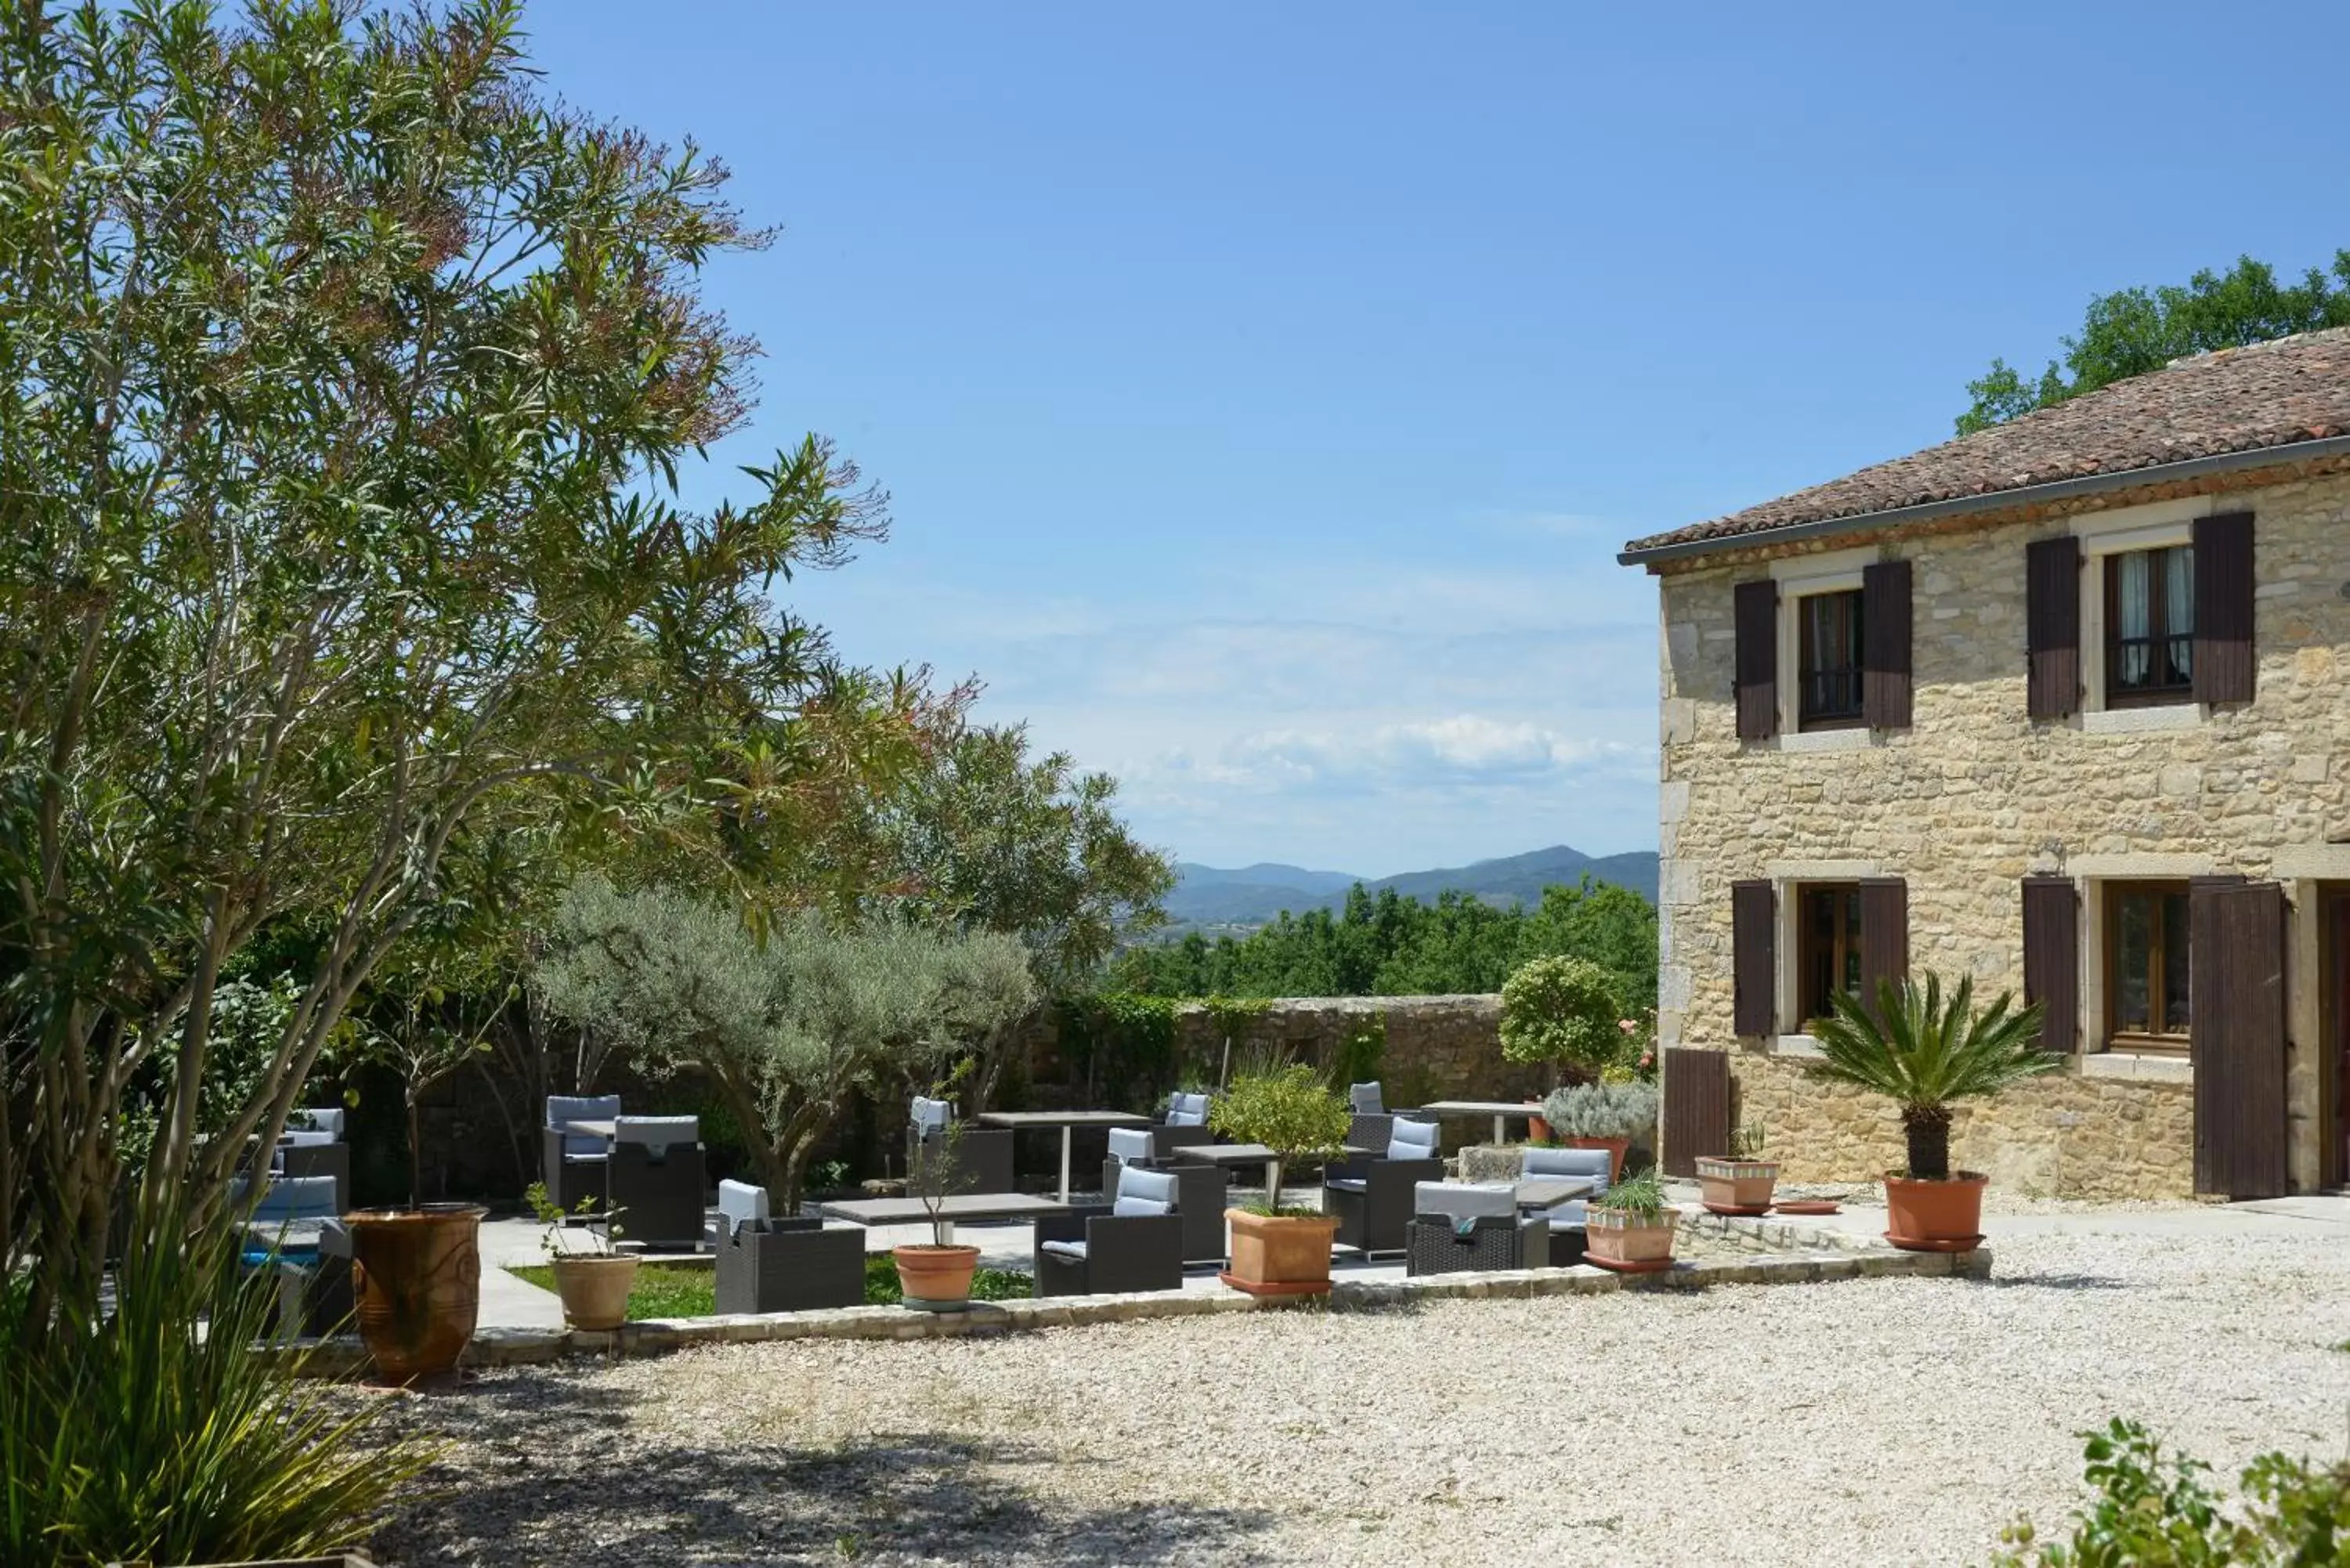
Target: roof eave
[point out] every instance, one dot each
(1992, 499)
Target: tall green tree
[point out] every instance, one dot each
(987, 838)
(2135, 330)
(345, 378)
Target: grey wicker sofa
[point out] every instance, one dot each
(1203, 1191)
(983, 1156)
(790, 1265)
(1462, 1226)
(1134, 1243)
(1371, 1197)
(576, 1166)
(1566, 1224)
(656, 1180)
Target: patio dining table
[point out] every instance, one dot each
(1536, 1192)
(1067, 1121)
(1502, 1111)
(974, 1206)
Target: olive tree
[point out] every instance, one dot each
(1564, 1010)
(345, 378)
(790, 1027)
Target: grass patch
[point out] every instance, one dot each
(683, 1290)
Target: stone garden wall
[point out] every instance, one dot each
(1433, 1047)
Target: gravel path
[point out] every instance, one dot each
(1858, 1422)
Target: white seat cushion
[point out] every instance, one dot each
(1348, 1184)
(1066, 1250)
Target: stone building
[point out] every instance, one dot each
(2061, 706)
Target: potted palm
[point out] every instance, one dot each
(936, 1275)
(1277, 1250)
(1603, 1116)
(1742, 1181)
(1563, 1012)
(1924, 1053)
(1629, 1227)
(595, 1283)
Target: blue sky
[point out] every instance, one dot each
(1264, 391)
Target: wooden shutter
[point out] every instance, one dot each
(1885, 685)
(1884, 934)
(2051, 625)
(2236, 998)
(1696, 1108)
(2224, 608)
(1755, 611)
(2052, 960)
(1754, 957)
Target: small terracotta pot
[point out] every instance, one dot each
(1623, 1241)
(416, 1275)
(1737, 1185)
(595, 1290)
(1935, 1216)
(1615, 1148)
(1279, 1255)
(1537, 1130)
(936, 1278)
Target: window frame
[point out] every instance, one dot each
(2160, 632)
(1856, 628)
(2112, 1036)
(1846, 944)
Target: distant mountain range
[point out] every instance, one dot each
(1252, 895)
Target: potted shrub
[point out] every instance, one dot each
(1280, 1252)
(1742, 1181)
(935, 1275)
(1629, 1227)
(1923, 1054)
(594, 1285)
(1562, 1011)
(1603, 1116)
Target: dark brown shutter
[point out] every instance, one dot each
(1884, 934)
(1696, 1108)
(1754, 958)
(2224, 608)
(2236, 999)
(1755, 610)
(2052, 960)
(1885, 653)
(2051, 625)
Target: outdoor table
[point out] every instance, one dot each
(1069, 1122)
(971, 1206)
(1502, 1111)
(293, 1240)
(608, 1131)
(1550, 1191)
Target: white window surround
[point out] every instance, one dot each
(2158, 525)
(1800, 577)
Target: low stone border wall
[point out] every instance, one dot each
(1777, 1253)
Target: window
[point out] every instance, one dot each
(1827, 945)
(1828, 651)
(2150, 626)
(2146, 966)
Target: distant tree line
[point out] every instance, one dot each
(1390, 945)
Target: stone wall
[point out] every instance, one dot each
(1975, 795)
(2062, 1136)
(1436, 1047)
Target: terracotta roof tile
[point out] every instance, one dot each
(2236, 400)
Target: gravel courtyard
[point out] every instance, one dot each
(1856, 1422)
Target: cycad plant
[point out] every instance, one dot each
(1924, 1053)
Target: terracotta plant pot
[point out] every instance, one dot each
(416, 1274)
(934, 1278)
(1537, 1130)
(1737, 1186)
(1615, 1148)
(595, 1290)
(1280, 1255)
(1622, 1240)
(1935, 1216)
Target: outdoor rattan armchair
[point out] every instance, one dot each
(657, 1180)
(1135, 1243)
(1371, 1198)
(790, 1265)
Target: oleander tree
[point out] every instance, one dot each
(790, 1023)
(345, 383)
